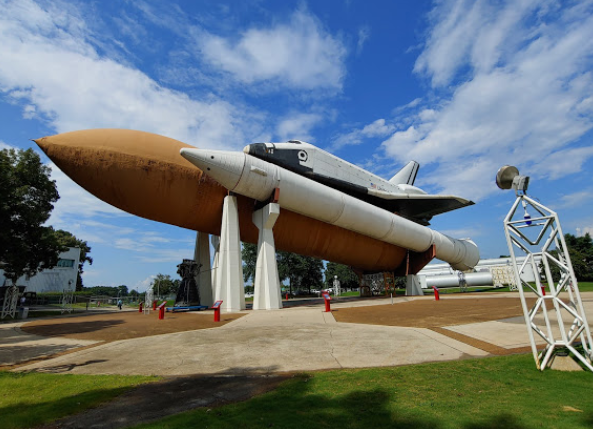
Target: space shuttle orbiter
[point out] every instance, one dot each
(397, 195)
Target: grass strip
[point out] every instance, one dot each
(32, 399)
(501, 392)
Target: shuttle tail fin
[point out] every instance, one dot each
(407, 175)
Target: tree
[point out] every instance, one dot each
(163, 285)
(103, 290)
(288, 268)
(580, 250)
(123, 290)
(346, 276)
(301, 271)
(310, 271)
(66, 238)
(26, 200)
(134, 294)
(249, 255)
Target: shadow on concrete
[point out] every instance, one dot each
(64, 327)
(257, 371)
(14, 355)
(60, 369)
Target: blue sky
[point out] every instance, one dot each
(463, 87)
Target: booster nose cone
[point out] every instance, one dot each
(223, 166)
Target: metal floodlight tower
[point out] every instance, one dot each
(558, 320)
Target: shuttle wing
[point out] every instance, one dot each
(422, 208)
(418, 207)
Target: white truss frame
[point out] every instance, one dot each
(549, 237)
(66, 301)
(11, 297)
(148, 298)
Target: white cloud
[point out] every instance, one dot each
(463, 232)
(49, 63)
(167, 255)
(131, 28)
(143, 285)
(299, 53)
(479, 34)
(298, 126)
(151, 247)
(565, 161)
(378, 128)
(518, 92)
(363, 34)
(575, 199)
(5, 146)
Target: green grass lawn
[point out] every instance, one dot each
(29, 400)
(501, 392)
(586, 286)
(351, 293)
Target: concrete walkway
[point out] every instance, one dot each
(292, 339)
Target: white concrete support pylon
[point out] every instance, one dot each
(229, 278)
(267, 294)
(203, 276)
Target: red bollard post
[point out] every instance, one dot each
(327, 299)
(543, 290)
(287, 296)
(154, 304)
(162, 310)
(436, 293)
(216, 308)
(140, 308)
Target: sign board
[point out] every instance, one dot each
(217, 304)
(326, 297)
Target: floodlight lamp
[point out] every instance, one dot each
(508, 177)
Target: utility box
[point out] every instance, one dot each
(327, 300)
(216, 308)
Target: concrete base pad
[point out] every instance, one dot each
(564, 363)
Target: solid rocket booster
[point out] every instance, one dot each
(257, 179)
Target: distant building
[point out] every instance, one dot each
(62, 276)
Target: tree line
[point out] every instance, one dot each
(580, 250)
(301, 272)
(27, 197)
